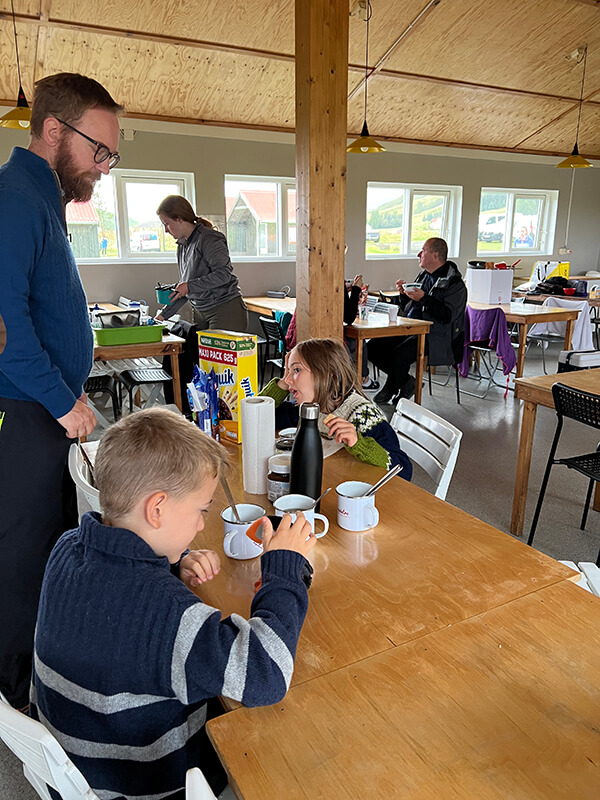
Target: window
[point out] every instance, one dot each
(261, 217)
(120, 221)
(402, 216)
(515, 221)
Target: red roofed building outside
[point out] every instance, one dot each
(83, 224)
(252, 222)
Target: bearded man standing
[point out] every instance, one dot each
(46, 346)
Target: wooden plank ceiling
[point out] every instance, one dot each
(483, 74)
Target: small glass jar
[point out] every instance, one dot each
(278, 478)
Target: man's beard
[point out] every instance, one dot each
(78, 186)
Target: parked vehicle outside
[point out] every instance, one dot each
(145, 241)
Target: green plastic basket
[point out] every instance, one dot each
(135, 335)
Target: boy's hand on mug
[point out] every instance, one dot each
(296, 536)
(199, 566)
(342, 431)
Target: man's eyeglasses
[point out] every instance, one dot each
(102, 151)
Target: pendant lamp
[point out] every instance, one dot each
(365, 142)
(574, 161)
(19, 117)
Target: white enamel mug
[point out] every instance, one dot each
(356, 512)
(236, 544)
(291, 503)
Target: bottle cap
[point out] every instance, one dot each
(309, 411)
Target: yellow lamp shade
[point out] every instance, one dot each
(574, 161)
(365, 143)
(19, 117)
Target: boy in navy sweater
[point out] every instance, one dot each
(127, 659)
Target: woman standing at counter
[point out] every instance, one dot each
(206, 276)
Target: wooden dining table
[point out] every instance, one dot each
(537, 391)
(526, 314)
(376, 326)
(426, 665)
(538, 299)
(169, 345)
(426, 565)
(501, 706)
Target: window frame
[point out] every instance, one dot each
(449, 230)
(283, 185)
(546, 226)
(120, 178)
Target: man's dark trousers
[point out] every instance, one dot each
(38, 502)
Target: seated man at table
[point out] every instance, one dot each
(441, 299)
(128, 661)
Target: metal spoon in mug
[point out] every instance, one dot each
(388, 475)
(230, 499)
(319, 498)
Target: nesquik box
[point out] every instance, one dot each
(233, 356)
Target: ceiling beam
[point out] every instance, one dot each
(271, 55)
(378, 66)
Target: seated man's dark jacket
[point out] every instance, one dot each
(444, 305)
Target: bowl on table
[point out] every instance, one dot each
(569, 290)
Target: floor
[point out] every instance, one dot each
(482, 485)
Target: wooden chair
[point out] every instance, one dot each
(45, 763)
(428, 440)
(585, 408)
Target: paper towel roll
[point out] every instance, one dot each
(258, 441)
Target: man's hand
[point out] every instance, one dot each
(343, 431)
(415, 294)
(80, 421)
(180, 290)
(296, 536)
(400, 284)
(199, 566)
(358, 281)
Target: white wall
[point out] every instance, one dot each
(210, 154)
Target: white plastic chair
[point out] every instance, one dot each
(44, 760)
(428, 440)
(197, 787)
(80, 473)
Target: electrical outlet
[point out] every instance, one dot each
(564, 251)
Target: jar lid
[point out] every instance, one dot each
(309, 411)
(284, 443)
(280, 463)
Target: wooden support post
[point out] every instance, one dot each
(321, 114)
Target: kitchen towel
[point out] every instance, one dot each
(258, 441)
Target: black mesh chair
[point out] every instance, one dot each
(584, 408)
(457, 352)
(274, 350)
(104, 384)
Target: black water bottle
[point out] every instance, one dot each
(306, 470)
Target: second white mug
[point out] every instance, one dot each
(291, 503)
(355, 511)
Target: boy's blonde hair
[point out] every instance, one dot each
(150, 451)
